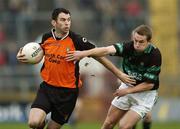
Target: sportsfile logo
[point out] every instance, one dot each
(35, 53)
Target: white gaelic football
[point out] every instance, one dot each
(33, 52)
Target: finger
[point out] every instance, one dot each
(130, 80)
(115, 94)
(70, 52)
(116, 91)
(20, 50)
(132, 77)
(69, 59)
(23, 60)
(21, 55)
(133, 81)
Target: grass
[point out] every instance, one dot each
(162, 125)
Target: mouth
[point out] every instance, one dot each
(138, 48)
(66, 28)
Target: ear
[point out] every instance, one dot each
(53, 22)
(132, 34)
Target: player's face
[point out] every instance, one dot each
(140, 42)
(63, 23)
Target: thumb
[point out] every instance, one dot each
(115, 93)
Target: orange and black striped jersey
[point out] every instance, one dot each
(56, 71)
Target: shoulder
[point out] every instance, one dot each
(128, 46)
(46, 35)
(123, 48)
(80, 42)
(77, 37)
(155, 51)
(155, 55)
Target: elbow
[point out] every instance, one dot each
(151, 86)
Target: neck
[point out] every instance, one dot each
(59, 34)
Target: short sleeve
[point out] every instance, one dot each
(119, 49)
(84, 43)
(80, 42)
(124, 48)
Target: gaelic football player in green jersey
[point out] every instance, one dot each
(142, 61)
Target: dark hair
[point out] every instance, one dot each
(57, 11)
(144, 30)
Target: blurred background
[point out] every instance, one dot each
(103, 22)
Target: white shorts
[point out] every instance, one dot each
(141, 102)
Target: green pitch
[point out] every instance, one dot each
(167, 125)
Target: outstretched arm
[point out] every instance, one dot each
(110, 66)
(96, 52)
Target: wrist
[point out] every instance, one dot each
(129, 90)
(85, 54)
(119, 73)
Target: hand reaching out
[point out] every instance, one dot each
(74, 55)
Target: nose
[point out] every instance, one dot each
(137, 43)
(67, 22)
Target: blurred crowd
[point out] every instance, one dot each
(103, 22)
(99, 20)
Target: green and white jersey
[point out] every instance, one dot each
(144, 66)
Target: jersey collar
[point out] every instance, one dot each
(148, 49)
(57, 38)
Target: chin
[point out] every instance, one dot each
(139, 50)
(65, 32)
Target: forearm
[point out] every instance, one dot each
(140, 87)
(109, 65)
(96, 52)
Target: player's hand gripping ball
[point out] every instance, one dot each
(33, 52)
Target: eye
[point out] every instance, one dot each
(141, 41)
(62, 19)
(69, 19)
